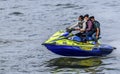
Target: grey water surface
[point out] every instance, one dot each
(26, 24)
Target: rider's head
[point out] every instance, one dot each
(80, 18)
(86, 17)
(92, 18)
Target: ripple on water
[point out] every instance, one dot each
(111, 4)
(17, 6)
(17, 13)
(68, 5)
(4, 43)
(3, 0)
(2, 8)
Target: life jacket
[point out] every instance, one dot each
(96, 23)
(80, 24)
(92, 28)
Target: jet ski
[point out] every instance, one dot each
(67, 44)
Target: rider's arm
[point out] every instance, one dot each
(73, 25)
(97, 29)
(97, 32)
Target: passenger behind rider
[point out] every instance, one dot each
(82, 34)
(81, 26)
(96, 27)
(89, 29)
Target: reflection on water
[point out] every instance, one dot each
(71, 65)
(65, 62)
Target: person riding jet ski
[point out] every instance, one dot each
(96, 31)
(83, 25)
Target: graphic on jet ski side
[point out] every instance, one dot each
(64, 45)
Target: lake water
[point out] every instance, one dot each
(26, 24)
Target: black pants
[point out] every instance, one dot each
(82, 36)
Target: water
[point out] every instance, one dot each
(25, 24)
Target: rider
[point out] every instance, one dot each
(96, 25)
(79, 25)
(89, 29)
(82, 24)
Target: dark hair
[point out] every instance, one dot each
(92, 17)
(86, 15)
(81, 16)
